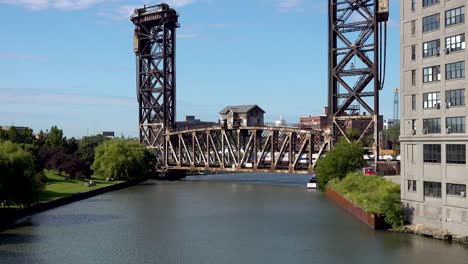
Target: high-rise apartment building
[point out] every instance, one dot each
(433, 113)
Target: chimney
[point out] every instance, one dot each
(325, 110)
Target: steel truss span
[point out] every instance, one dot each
(155, 48)
(246, 149)
(356, 64)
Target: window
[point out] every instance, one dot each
(456, 154)
(413, 102)
(456, 189)
(455, 97)
(411, 185)
(431, 125)
(413, 77)
(431, 153)
(413, 52)
(413, 5)
(430, 2)
(431, 48)
(431, 23)
(431, 100)
(455, 16)
(455, 70)
(431, 74)
(413, 27)
(413, 124)
(455, 124)
(455, 43)
(433, 189)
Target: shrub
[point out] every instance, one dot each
(18, 184)
(343, 159)
(120, 159)
(374, 194)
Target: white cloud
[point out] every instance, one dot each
(286, 5)
(57, 4)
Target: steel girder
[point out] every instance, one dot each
(155, 49)
(246, 149)
(353, 60)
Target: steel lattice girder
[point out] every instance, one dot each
(248, 149)
(353, 36)
(155, 49)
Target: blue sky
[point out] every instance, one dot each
(70, 62)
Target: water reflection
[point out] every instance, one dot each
(213, 219)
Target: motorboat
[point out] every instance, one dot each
(312, 184)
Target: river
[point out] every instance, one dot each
(236, 218)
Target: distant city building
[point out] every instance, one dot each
(242, 115)
(317, 122)
(109, 134)
(360, 125)
(192, 123)
(280, 122)
(18, 128)
(389, 123)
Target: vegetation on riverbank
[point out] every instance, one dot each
(374, 194)
(44, 166)
(58, 186)
(343, 159)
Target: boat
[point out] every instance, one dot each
(312, 184)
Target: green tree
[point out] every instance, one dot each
(87, 147)
(343, 159)
(353, 134)
(120, 159)
(393, 135)
(41, 137)
(13, 134)
(18, 183)
(55, 138)
(27, 136)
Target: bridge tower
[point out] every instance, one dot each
(357, 37)
(154, 45)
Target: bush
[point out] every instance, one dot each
(374, 194)
(343, 159)
(120, 159)
(18, 182)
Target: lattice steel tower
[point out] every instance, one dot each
(155, 48)
(357, 37)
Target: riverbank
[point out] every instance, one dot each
(440, 234)
(9, 216)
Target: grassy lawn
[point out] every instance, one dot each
(58, 187)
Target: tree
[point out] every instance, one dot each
(18, 184)
(41, 137)
(57, 158)
(393, 135)
(87, 147)
(120, 159)
(27, 136)
(13, 134)
(55, 138)
(71, 146)
(343, 159)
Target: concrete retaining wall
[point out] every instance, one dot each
(9, 216)
(374, 221)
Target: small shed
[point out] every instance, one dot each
(242, 115)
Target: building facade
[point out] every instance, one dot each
(433, 112)
(242, 115)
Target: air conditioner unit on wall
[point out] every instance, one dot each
(425, 131)
(413, 132)
(448, 130)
